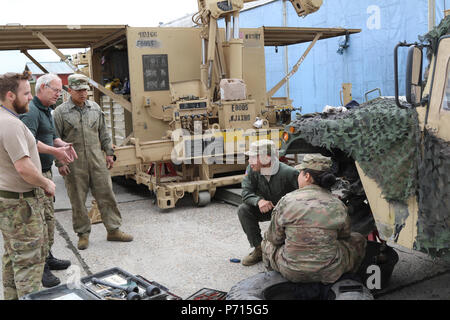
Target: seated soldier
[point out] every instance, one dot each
(309, 238)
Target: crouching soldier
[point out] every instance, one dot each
(265, 182)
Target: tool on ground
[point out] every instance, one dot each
(132, 290)
(152, 290)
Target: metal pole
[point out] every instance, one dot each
(25, 52)
(295, 68)
(286, 51)
(228, 28)
(236, 26)
(203, 51)
(431, 14)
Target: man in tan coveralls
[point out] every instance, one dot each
(22, 219)
(81, 122)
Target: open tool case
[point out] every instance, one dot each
(111, 284)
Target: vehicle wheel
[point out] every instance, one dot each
(252, 288)
(204, 198)
(267, 285)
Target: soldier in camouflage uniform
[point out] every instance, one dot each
(265, 182)
(81, 122)
(309, 238)
(22, 221)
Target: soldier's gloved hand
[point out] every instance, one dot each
(64, 170)
(265, 205)
(109, 161)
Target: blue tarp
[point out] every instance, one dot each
(369, 61)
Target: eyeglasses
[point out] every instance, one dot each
(58, 91)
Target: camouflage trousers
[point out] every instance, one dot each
(25, 234)
(350, 254)
(78, 182)
(250, 217)
(49, 211)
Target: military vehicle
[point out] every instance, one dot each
(394, 153)
(191, 99)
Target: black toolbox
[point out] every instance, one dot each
(142, 289)
(120, 277)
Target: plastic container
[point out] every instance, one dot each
(208, 294)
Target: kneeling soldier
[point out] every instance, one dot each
(266, 181)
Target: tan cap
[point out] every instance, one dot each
(262, 147)
(315, 162)
(78, 82)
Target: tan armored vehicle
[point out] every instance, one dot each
(395, 153)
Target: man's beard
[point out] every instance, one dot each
(20, 108)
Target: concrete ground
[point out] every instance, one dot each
(189, 248)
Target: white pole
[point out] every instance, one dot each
(431, 14)
(286, 52)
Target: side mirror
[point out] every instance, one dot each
(414, 75)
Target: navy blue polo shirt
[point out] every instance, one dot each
(40, 122)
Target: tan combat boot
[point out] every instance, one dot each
(117, 235)
(253, 258)
(83, 241)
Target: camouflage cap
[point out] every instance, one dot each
(78, 82)
(262, 147)
(315, 162)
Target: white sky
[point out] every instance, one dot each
(136, 13)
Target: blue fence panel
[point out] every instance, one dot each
(369, 61)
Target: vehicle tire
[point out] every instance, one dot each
(253, 287)
(204, 198)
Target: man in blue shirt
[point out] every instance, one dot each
(40, 122)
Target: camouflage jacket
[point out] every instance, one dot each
(307, 226)
(84, 127)
(256, 187)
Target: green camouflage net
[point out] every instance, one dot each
(433, 234)
(380, 136)
(385, 140)
(432, 37)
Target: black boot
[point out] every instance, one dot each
(56, 264)
(48, 279)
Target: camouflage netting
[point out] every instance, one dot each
(385, 141)
(434, 177)
(434, 198)
(433, 36)
(379, 135)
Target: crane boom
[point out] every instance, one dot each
(210, 11)
(218, 8)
